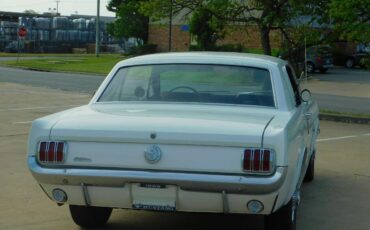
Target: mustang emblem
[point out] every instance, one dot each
(153, 154)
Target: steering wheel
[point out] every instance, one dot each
(184, 87)
(253, 99)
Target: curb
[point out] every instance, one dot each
(344, 119)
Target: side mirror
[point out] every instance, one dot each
(302, 75)
(306, 95)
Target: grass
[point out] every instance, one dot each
(71, 63)
(354, 115)
(46, 55)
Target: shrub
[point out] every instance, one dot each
(365, 62)
(143, 49)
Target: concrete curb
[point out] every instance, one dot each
(344, 119)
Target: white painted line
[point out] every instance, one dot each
(21, 122)
(335, 138)
(33, 108)
(341, 138)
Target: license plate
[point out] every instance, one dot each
(149, 185)
(154, 207)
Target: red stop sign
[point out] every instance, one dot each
(22, 32)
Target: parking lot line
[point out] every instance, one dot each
(343, 137)
(41, 107)
(21, 122)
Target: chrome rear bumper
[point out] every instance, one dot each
(237, 184)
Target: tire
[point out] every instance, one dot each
(310, 67)
(350, 63)
(283, 219)
(90, 217)
(323, 70)
(310, 173)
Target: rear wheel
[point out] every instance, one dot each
(350, 63)
(310, 173)
(89, 217)
(284, 218)
(310, 67)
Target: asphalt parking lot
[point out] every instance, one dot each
(337, 199)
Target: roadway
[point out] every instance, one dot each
(338, 198)
(84, 83)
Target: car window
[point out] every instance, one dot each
(294, 85)
(191, 83)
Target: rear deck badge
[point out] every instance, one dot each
(153, 154)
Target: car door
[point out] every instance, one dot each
(306, 117)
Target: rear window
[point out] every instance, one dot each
(193, 83)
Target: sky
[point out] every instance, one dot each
(66, 7)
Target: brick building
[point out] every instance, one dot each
(248, 37)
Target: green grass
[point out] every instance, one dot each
(71, 63)
(355, 115)
(47, 55)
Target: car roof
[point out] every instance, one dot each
(221, 58)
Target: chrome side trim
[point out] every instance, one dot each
(237, 184)
(86, 195)
(264, 130)
(225, 202)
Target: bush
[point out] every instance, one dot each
(221, 48)
(365, 62)
(143, 49)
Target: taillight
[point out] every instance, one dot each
(319, 60)
(259, 161)
(52, 152)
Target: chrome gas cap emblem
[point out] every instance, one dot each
(153, 154)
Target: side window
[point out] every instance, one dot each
(294, 85)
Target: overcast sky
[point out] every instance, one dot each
(66, 7)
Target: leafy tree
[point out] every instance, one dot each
(351, 19)
(130, 22)
(207, 28)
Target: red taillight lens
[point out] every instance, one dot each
(258, 161)
(52, 152)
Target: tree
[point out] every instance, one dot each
(350, 19)
(267, 15)
(30, 11)
(130, 22)
(207, 28)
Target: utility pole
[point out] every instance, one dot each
(57, 6)
(170, 29)
(97, 24)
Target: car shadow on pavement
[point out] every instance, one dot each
(126, 219)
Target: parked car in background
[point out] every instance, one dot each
(319, 58)
(187, 132)
(355, 59)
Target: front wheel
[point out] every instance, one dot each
(90, 217)
(283, 219)
(323, 70)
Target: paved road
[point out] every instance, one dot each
(344, 75)
(89, 83)
(337, 199)
(64, 81)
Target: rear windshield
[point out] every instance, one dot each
(193, 83)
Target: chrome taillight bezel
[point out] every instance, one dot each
(272, 161)
(54, 162)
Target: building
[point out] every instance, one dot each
(50, 32)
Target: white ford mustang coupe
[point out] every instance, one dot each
(188, 132)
